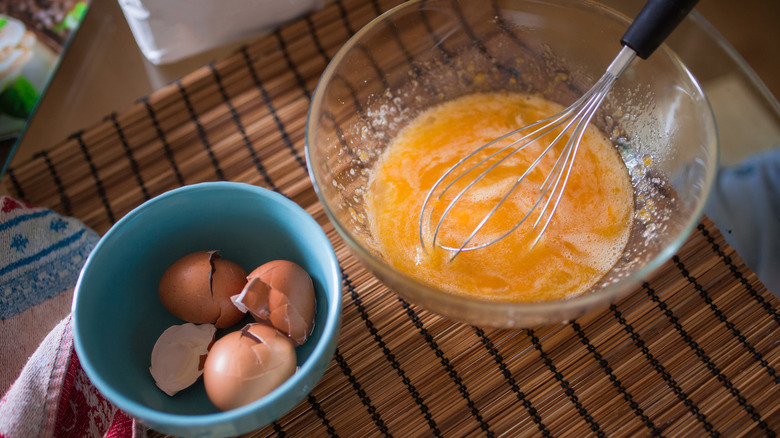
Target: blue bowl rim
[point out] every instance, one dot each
(331, 329)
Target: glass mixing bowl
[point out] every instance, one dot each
(426, 52)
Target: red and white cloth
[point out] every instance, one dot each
(47, 393)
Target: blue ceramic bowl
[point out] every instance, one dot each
(118, 316)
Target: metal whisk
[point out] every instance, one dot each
(649, 29)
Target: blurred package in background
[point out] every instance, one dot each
(170, 30)
(33, 37)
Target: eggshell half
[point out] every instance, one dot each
(281, 293)
(245, 365)
(179, 355)
(197, 288)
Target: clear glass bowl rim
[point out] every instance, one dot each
(509, 310)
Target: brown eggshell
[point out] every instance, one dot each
(281, 293)
(197, 288)
(245, 365)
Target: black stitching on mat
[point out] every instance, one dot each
(481, 47)
(349, 86)
(733, 390)
(615, 381)
(321, 415)
(161, 136)
(379, 72)
(271, 109)
(358, 109)
(567, 389)
(15, 183)
(129, 154)
(201, 131)
(316, 39)
(722, 317)
(101, 191)
(506, 28)
(409, 60)
(345, 17)
(449, 58)
(491, 348)
(437, 40)
(362, 394)
(451, 371)
(738, 275)
(418, 399)
(513, 36)
(397, 36)
(373, 62)
(353, 93)
(291, 64)
(57, 182)
(356, 102)
(660, 369)
(237, 120)
(339, 132)
(377, 8)
(278, 429)
(340, 135)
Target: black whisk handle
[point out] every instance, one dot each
(654, 23)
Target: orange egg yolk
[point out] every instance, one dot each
(583, 241)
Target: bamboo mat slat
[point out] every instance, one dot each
(694, 351)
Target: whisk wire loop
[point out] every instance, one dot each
(651, 26)
(572, 147)
(545, 126)
(567, 116)
(575, 118)
(537, 134)
(460, 162)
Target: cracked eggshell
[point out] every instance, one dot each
(245, 365)
(179, 355)
(281, 293)
(197, 288)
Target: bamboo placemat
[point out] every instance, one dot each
(694, 351)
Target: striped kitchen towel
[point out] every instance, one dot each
(47, 393)
(41, 254)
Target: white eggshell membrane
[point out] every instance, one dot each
(177, 356)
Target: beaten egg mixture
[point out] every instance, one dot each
(583, 241)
